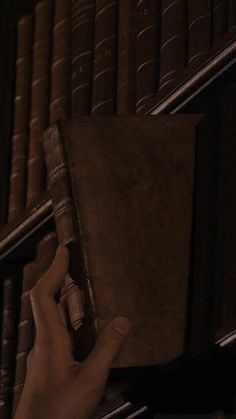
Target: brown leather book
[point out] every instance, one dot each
(148, 50)
(40, 100)
(82, 56)
(32, 272)
(173, 41)
(20, 138)
(104, 85)
(10, 314)
(232, 15)
(122, 189)
(61, 61)
(126, 70)
(199, 29)
(220, 19)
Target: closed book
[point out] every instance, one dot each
(232, 15)
(220, 19)
(83, 12)
(126, 63)
(104, 82)
(10, 314)
(26, 331)
(200, 21)
(61, 61)
(122, 190)
(20, 137)
(40, 98)
(148, 50)
(173, 42)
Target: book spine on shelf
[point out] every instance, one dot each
(40, 100)
(20, 138)
(148, 50)
(232, 15)
(200, 29)
(82, 56)
(126, 64)
(104, 85)
(10, 314)
(26, 331)
(220, 19)
(173, 42)
(204, 288)
(61, 61)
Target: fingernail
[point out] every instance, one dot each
(122, 325)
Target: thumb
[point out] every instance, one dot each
(108, 344)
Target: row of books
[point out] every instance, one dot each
(99, 57)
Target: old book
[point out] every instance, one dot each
(173, 41)
(10, 314)
(126, 62)
(40, 98)
(122, 190)
(61, 61)
(20, 138)
(220, 19)
(104, 86)
(200, 18)
(148, 50)
(32, 272)
(232, 15)
(82, 56)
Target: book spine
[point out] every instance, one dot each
(10, 313)
(105, 58)
(227, 230)
(173, 41)
(199, 29)
(126, 71)
(32, 272)
(148, 50)
(220, 19)
(82, 56)
(232, 15)
(40, 98)
(68, 232)
(61, 61)
(20, 139)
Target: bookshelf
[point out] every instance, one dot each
(197, 89)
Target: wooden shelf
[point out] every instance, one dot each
(12, 236)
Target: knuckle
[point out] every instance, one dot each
(37, 291)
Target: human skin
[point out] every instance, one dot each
(56, 385)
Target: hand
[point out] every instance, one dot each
(56, 385)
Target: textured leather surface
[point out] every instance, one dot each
(132, 182)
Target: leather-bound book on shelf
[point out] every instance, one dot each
(40, 98)
(173, 42)
(10, 314)
(104, 80)
(122, 190)
(26, 331)
(220, 19)
(199, 31)
(126, 63)
(232, 15)
(148, 50)
(20, 137)
(83, 12)
(61, 61)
